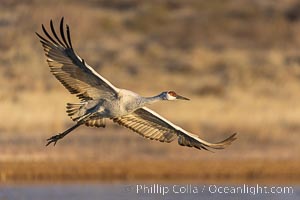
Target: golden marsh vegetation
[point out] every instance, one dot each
(238, 60)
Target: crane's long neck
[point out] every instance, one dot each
(150, 100)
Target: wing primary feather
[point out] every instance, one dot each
(43, 40)
(69, 37)
(62, 31)
(47, 34)
(54, 33)
(71, 70)
(204, 147)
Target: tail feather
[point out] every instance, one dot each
(77, 112)
(74, 110)
(97, 122)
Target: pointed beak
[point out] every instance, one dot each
(182, 98)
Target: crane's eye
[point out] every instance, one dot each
(172, 93)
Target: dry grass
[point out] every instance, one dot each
(225, 171)
(238, 61)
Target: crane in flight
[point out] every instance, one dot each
(100, 100)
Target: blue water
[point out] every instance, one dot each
(95, 191)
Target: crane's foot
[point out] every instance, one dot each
(54, 139)
(57, 137)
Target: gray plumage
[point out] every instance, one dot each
(101, 100)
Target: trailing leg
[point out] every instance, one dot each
(57, 137)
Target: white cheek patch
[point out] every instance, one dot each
(170, 97)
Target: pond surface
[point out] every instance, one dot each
(95, 191)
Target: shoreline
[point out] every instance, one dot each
(232, 171)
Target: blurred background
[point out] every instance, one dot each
(238, 60)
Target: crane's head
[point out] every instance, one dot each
(171, 95)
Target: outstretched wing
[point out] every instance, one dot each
(72, 71)
(153, 126)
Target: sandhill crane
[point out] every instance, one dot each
(101, 100)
